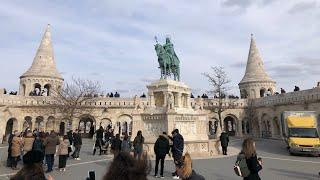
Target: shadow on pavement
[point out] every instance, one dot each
(295, 174)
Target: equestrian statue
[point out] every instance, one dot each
(168, 60)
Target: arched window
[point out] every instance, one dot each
(46, 90)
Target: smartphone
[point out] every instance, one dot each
(92, 175)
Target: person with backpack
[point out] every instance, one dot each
(247, 164)
(161, 149)
(224, 140)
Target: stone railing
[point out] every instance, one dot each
(16, 100)
(298, 97)
(212, 102)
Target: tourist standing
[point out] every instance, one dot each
(16, 145)
(77, 142)
(99, 140)
(177, 148)
(224, 140)
(9, 158)
(138, 145)
(28, 142)
(116, 145)
(63, 153)
(161, 149)
(126, 144)
(50, 144)
(91, 131)
(70, 137)
(253, 163)
(184, 169)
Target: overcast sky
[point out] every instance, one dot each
(113, 41)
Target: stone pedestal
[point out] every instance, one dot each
(171, 110)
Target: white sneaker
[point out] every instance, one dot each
(162, 177)
(176, 177)
(64, 169)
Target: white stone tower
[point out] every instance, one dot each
(43, 75)
(256, 82)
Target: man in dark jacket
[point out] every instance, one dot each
(9, 159)
(70, 137)
(224, 140)
(161, 149)
(77, 142)
(116, 145)
(99, 136)
(50, 144)
(177, 148)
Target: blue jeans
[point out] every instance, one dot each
(50, 161)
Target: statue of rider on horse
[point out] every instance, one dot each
(168, 60)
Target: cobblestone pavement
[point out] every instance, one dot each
(277, 164)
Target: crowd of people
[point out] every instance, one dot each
(38, 150)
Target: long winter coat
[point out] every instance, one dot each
(138, 144)
(16, 146)
(50, 144)
(63, 147)
(254, 168)
(177, 146)
(28, 142)
(224, 139)
(161, 147)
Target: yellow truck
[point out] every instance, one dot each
(300, 130)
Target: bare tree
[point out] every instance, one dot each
(75, 97)
(219, 81)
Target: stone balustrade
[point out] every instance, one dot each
(298, 97)
(213, 102)
(16, 100)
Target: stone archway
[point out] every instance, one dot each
(39, 124)
(230, 125)
(213, 125)
(50, 125)
(11, 125)
(105, 122)
(125, 124)
(85, 123)
(266, 126)
(276, 126)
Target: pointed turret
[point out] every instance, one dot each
(255, 81)
(43, 75)
(43, 64)
(254, 70)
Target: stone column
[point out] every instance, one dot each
(151, 99)
(165, 96)
(178, 96)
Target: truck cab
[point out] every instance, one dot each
(299, 130)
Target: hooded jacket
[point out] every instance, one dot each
(161, 147)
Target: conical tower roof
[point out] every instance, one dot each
(43, 64)
(254, 70)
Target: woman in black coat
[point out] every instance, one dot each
(254, 164)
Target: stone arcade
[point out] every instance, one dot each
(167, 106)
